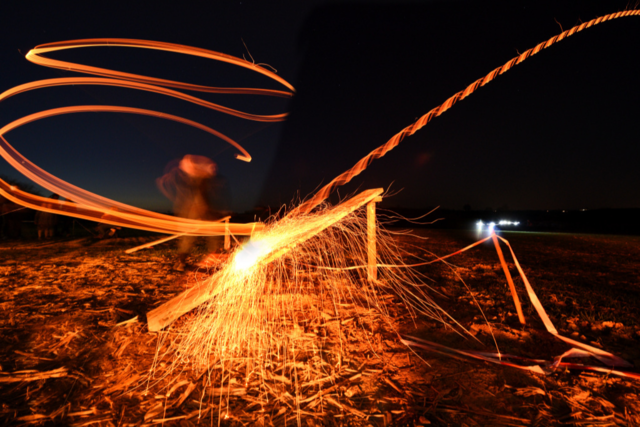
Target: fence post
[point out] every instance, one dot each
(227, 238)
(372, 269)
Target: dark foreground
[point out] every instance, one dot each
(75, 349)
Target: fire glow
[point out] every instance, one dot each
(249, 255)
(293, 274)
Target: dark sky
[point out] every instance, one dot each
(558, 131)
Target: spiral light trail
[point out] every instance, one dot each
(93, 206)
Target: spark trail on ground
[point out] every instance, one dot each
(293, 276)
(93, 206)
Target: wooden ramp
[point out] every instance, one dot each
(164, 315)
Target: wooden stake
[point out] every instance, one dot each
(509, 279)
(227, 238)
(372, 270)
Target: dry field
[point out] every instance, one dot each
(75, 349)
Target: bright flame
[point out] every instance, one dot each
(249, 254)
(292, 275)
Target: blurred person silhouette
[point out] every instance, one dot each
(191, 185)
(46, 221)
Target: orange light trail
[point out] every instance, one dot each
(92, 206)
(348, 175)
(34, 56)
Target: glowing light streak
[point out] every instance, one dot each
(507, 274)
(582, 350)
(348, 175)
(159, 223)
(245, 156)
(92, 206)
(541, 366)
(76, 81)
(34, 56)
(604, 356)
(152, 244)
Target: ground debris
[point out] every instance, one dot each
(76, 350)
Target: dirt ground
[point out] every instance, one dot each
(75, 349)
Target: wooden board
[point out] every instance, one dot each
(165, 314)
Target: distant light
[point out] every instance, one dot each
(492, 225)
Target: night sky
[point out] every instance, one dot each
(558, 131)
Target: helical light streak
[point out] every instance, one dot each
(348, 175)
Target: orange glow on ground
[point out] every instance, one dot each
(293, 274)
